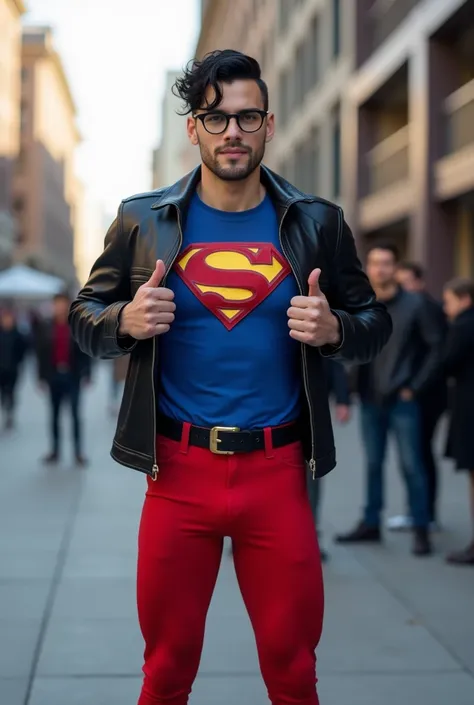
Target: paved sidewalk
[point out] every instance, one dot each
(397, 629)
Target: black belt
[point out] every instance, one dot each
(226, 440)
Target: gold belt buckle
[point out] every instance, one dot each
(214, 439)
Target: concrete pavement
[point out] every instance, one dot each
(397, 629)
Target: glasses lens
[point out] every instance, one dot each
(251, 121)
(215, 123)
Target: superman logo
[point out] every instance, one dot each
(232, 279)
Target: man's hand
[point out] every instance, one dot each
(152, 310)
(343, 413)
(310, 318)
(406, 395)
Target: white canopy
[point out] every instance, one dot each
(26, 283)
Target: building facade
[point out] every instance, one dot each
(175, 156)
(374, 104)
(46, 190)
(10, 88)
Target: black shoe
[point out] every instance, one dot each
(464, 557)
(51, 459)
(81, 462)
(324, 555)
(421, 542)
(361, 534)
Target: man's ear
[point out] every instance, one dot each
(270, 131)
(191, 128)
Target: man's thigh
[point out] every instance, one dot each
(405, 421)
(374, 419)
(276, 551)
(179, 547)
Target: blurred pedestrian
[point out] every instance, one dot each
(118, 376)
(226, 367)
(12, 352)
(389, 388)
(432, 399)
(459, 361)
(63, 369)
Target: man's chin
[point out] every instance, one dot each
(233, 174)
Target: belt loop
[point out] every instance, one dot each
(268, 441)
(186, 430)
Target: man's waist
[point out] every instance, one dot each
(228, 440)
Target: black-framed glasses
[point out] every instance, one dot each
(217, 122)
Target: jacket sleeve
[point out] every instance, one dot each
(339, 382)
(431, 331)
(365, 323)
(94, 315)
(457, 350)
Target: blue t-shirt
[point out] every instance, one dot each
(228, 359)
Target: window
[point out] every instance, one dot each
(312, 152)
(284, 15)
(300, 75)
(285, 97)
(313, 53)
(336, 28)
(300, 167)
(336, 155)
(24, 116)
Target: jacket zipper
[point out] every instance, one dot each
(155, 469)
(312, 462)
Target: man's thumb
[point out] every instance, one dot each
(157, 276)
(313, 283)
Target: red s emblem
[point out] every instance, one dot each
(232, 279)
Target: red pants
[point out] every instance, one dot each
(260, 500)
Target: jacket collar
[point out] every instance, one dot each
(282, 193)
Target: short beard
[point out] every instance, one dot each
(232, 173)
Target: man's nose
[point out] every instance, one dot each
(233, 130)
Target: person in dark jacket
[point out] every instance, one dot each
(459, 362)
(13, 347)
(63, 368)
(228, 288)
(389, 388)
(432, 399)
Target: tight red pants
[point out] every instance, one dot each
(260, 500)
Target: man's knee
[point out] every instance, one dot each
(170, 670)
(289, 671)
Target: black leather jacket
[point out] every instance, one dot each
(150, 226)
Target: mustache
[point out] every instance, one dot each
(233, 145)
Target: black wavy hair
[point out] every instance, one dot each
(220, 66)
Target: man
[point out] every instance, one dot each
(12, 352)
(389, 388)
(432, 399)
(459, 363)
(63, 368)
(228, 288)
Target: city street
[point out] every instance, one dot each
(397, 629)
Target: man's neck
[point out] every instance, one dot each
(232, 196)
(386, 293)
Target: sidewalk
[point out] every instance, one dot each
(397, 629)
